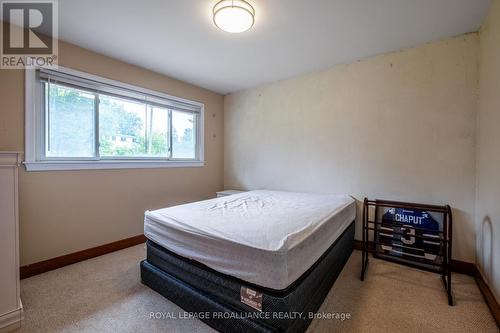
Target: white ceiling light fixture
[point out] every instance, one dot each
(234, 16)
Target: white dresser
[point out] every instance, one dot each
(11, 310)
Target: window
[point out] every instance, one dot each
(76, 120)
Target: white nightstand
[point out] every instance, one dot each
(225, 193)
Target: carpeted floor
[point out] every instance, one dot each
(105, 295)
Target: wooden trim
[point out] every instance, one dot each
(457, 266)
(463, 267)
(72, 258)
(490, 299)
(358, 245)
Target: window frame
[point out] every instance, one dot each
(35, 140)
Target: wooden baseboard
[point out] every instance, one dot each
(68, 259)
(464, 267)
(490, 299)
(457, 266)
(358, 245)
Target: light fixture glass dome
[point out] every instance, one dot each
(233, 16)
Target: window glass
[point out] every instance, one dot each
(158, 138)
(183, 135)
(122, 127)
(69, 122)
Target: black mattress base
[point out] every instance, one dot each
(221, 317)
(195, 301)
(197, 288)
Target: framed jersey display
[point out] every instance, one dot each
(412, 234)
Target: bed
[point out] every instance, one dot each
(253, 260)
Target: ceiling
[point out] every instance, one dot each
(290, 37)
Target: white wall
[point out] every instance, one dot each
(398, 126)
(488, 157)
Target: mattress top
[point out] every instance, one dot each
(266, 220)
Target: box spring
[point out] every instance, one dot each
(197, 288)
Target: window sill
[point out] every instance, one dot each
(106, 165)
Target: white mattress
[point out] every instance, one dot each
(268, 238)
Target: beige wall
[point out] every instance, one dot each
(397, 126)
(488, 156)
(67, 211)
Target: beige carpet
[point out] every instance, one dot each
(105, 295)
